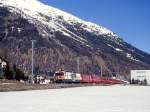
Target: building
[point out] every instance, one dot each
(2, 66)
(3, 63)
(41, 79)
(141, 77)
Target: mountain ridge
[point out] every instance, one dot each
(61, 39)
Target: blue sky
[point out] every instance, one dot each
(130, 19)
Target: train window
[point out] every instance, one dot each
(59, 74)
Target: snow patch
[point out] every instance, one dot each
(83, 99)
(48, 15)
(131, 57)
(65, 34)
(117, 49)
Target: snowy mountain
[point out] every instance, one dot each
(62, 39)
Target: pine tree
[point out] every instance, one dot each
(1, 72)
(133, 81)
(8, 73)
(145, 81)
(17, 73)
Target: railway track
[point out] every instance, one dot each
(25, 87)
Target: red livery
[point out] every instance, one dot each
(72, 77)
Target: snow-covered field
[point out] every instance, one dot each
(83, 99)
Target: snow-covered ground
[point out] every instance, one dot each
(84, 99)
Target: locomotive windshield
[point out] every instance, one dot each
(59, 74)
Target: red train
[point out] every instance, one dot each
(71, 77)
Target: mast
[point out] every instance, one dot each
(32, 63)
(78, 65)
(101, 71)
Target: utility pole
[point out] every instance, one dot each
(1, 71)
(101, 71)
(78, 65)
(32, 64)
